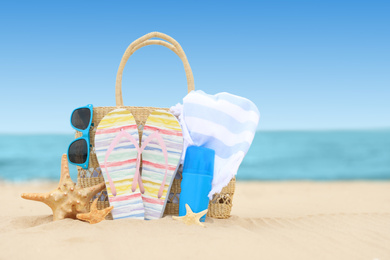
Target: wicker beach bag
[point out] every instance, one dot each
(221, 204)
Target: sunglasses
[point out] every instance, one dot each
(78, 151)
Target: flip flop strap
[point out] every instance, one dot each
(111, 148)
(157, 135)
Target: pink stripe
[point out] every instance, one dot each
(159, 166)
(163, 131)
(116, 129)
(120, 163)
(127, 197)
(153, 201)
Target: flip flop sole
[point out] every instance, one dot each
(153, 160)
(120, 164)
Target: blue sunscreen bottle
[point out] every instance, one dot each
(198, 170)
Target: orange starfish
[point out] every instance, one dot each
(68, 199)
(191, 218)
(95, 215)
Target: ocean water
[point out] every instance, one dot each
(318, 155)
(284, 155)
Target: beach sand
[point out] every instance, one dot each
(270, 220)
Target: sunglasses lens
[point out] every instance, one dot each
(81, 117)
(78, 151)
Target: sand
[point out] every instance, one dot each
(270, 220)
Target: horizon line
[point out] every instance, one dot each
(258, 130)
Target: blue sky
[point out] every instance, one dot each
(305, 64)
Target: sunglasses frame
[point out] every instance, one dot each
(85, 136)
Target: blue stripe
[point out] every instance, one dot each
(244, 103)
(218, 117)
(116, 169)
(149, 148)
(117, 148)
(153, 170)
(125, 203)
(120, 172)
(222, 150)
(166, 138)
(141, 215)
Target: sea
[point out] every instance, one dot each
(273, 156)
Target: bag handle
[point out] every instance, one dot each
(145, 41)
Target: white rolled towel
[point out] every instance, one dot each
(223, 122)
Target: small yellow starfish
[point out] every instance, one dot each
(191, 218)
(67, 199)
(95, 215)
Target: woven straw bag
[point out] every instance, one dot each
(221, 204)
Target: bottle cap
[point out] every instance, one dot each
(199, 160)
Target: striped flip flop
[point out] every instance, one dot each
(162, 145)
(117, 148)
